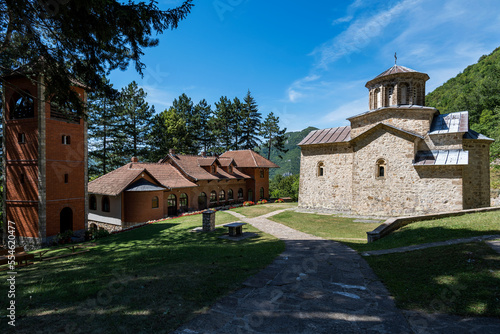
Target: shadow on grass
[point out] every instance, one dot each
(159, 298)
(413, 235)
(161, 270)
(460, 279)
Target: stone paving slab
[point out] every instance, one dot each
(495, 244)
(430, 245)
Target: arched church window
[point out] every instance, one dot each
(378, 94)
(381, 170)
(321, 169)
(404, 93)
(390, 93)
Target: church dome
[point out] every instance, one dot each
(396, 86)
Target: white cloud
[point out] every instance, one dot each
(359, 34)
(344, 111)
(300, 89)
(160, 98)
(343, 20)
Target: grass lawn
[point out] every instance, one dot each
(151, 279)
(460, 279)
(262, 209)
(325, 226)
(437, 230)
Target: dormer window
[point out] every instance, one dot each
(212, 169)
(230, 169)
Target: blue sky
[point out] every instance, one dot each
(308, 61)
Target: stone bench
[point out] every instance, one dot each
(235, 229)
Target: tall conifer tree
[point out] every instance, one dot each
(205, 133)
(103, 117)
(136, 121)
(274, 138)
(250, 123)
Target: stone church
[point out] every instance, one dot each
(399, 158)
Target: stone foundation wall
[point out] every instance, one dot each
(108, 227)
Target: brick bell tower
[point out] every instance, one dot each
(44, 161)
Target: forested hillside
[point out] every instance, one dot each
(289, 161)
(476, 89)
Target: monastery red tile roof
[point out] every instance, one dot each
(327, 136)
(114, 182)
(166, 174)
(248, 158)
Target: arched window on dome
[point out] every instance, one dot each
(390, 96)
(404, 94)
(378, 97)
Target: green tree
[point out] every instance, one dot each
(250, 123)
(103, 116)
(136, 121)
(235, 126)
(185, 109)
(81, 40)
(175, 129)
(222, 125)
(284, 186)
(274, 138)
(205, 134)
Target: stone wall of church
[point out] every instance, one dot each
(404, 190)
(447, 141)
(414, 120)
(332, 191)
(477, 174)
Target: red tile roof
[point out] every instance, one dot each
(248, 158)
(178, 171)
(166, 174)
(115, 182)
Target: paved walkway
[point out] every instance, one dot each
(319, 286)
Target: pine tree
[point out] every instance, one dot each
(185, 109)
(250, 123)
(136, 121)
(103, 117)
(81, 40)
(273, 136)
(223, 123)
(237, 108)
(205, 133)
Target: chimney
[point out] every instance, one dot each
(134, 159)
(171, 151)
